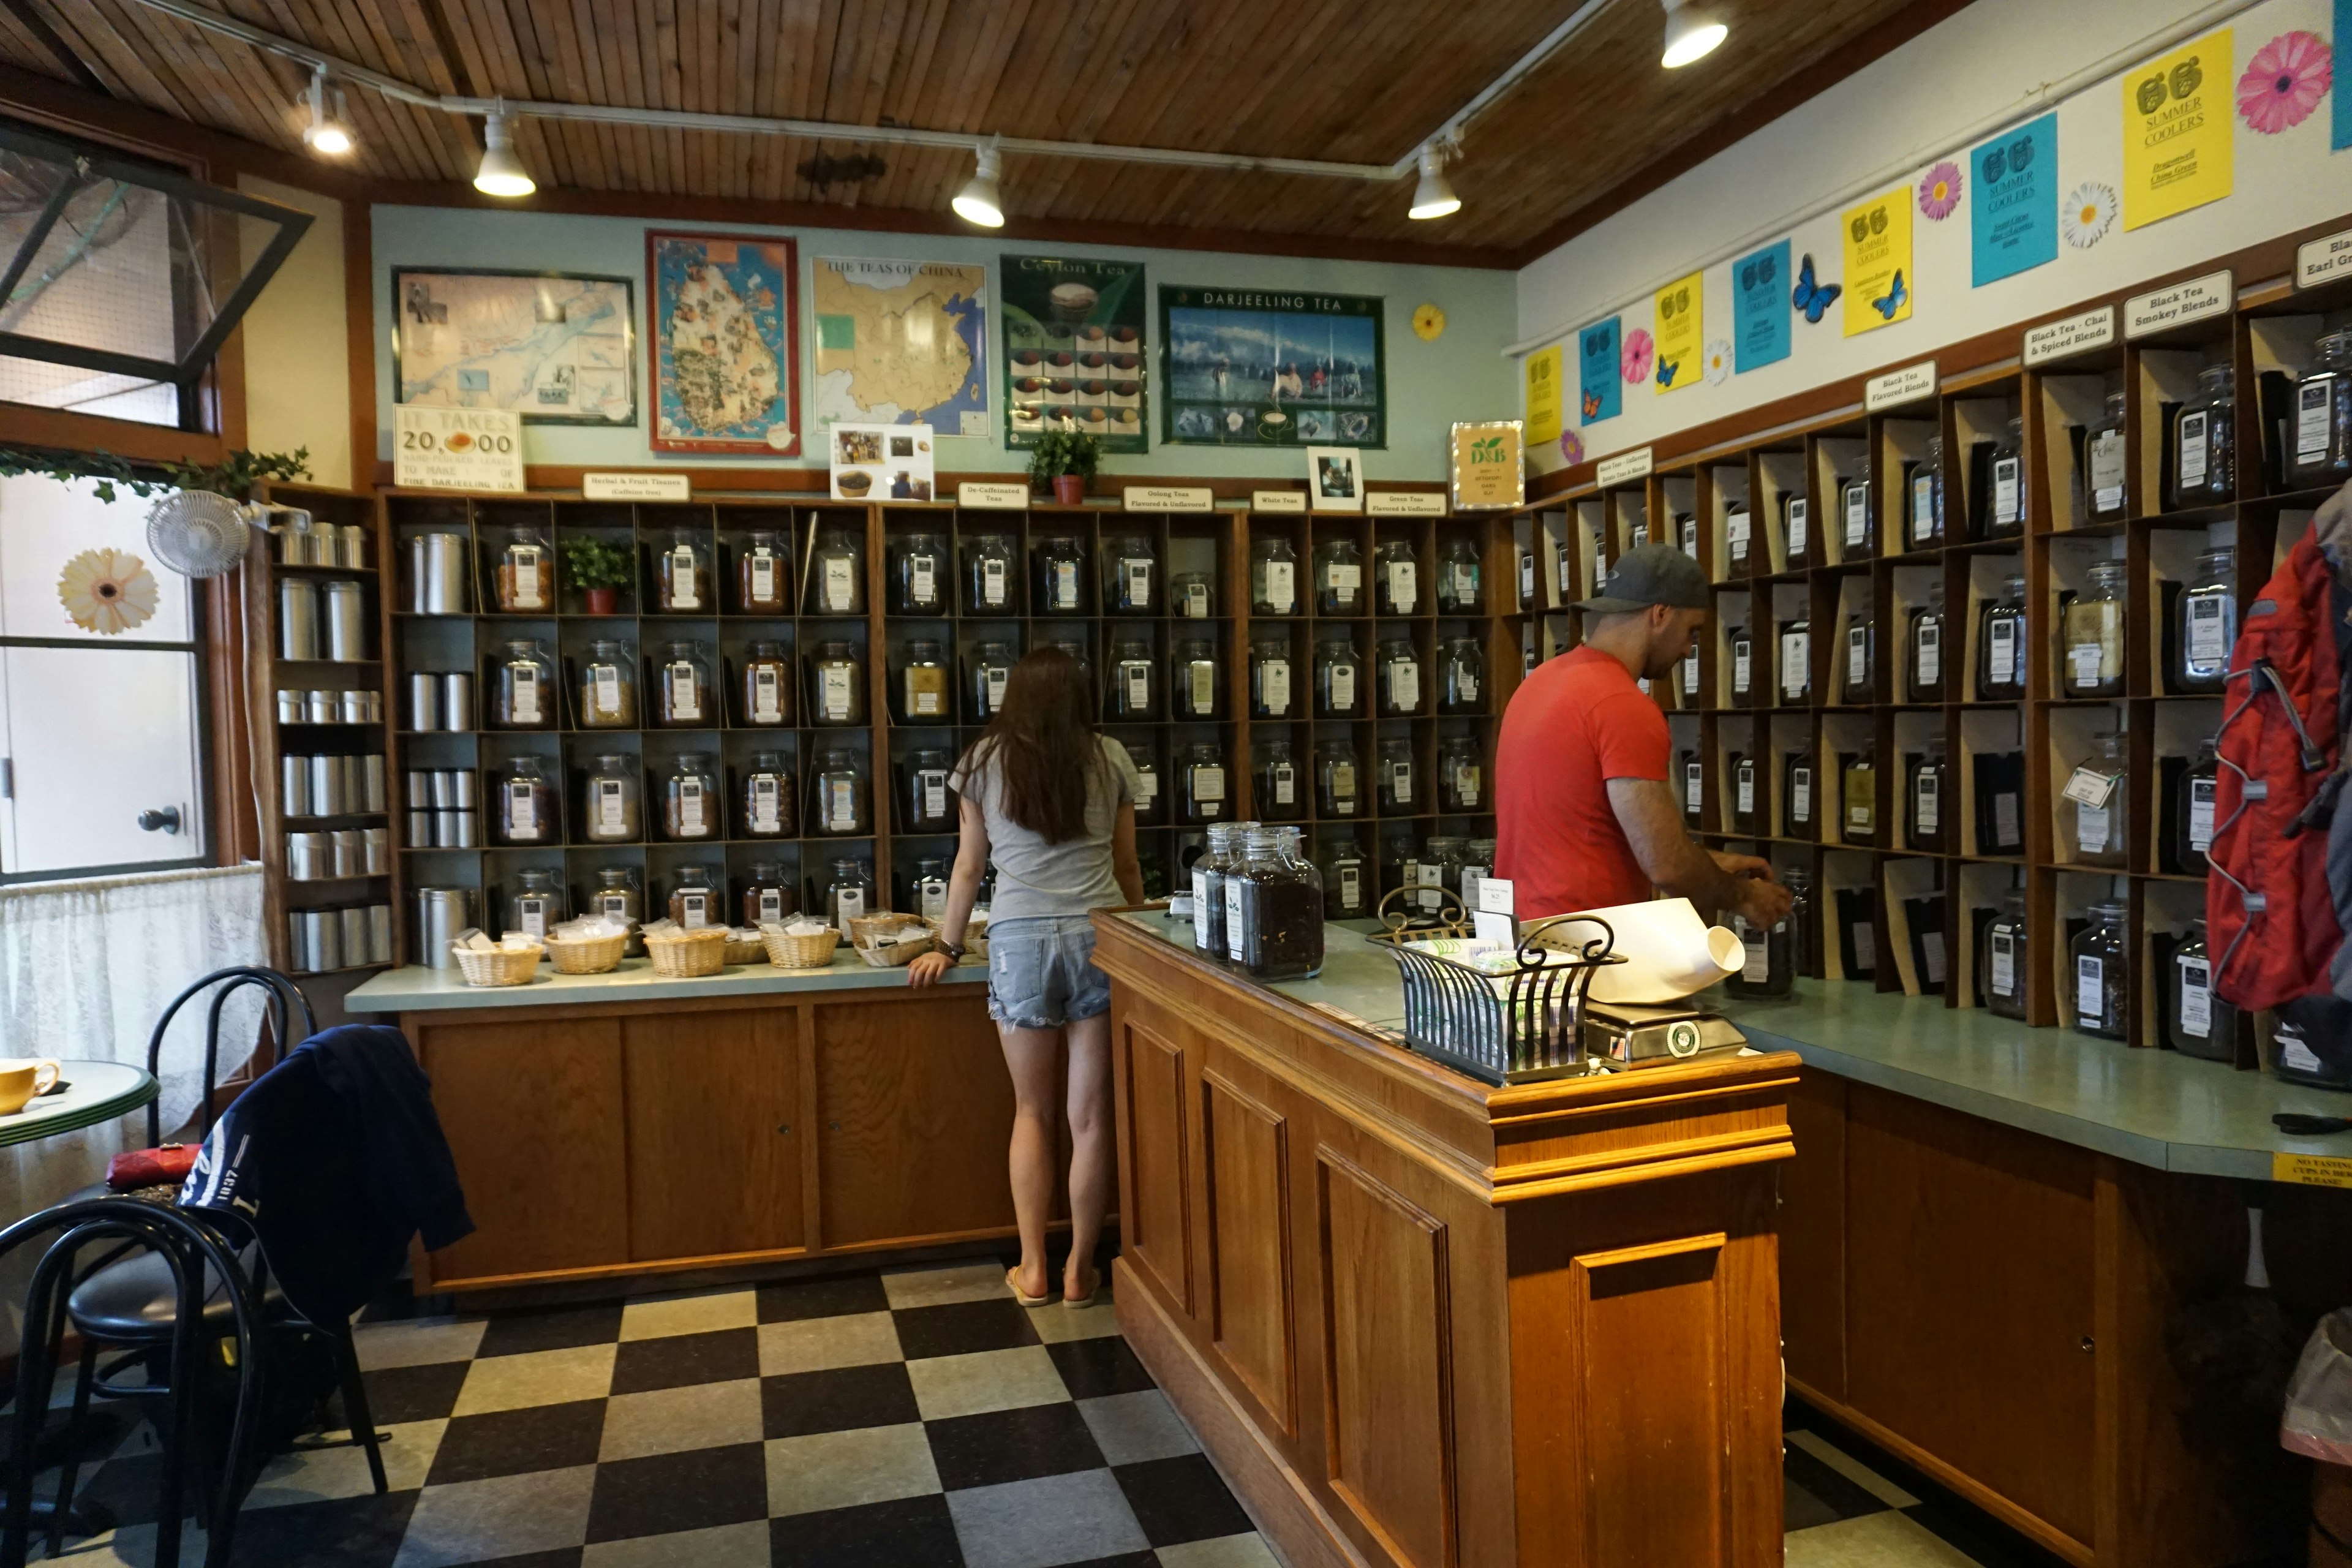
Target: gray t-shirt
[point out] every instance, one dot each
(1035, 878)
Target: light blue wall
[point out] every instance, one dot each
(1462, 375)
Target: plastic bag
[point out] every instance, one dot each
(2319, 1419)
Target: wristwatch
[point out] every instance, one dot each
(953, 950)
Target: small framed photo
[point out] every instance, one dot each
(1335, 479)
(1488, 466)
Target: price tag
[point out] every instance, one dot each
(2088, 786)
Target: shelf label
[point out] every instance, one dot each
(985, 497)
(2074, 336)
(2324, 258)
(456, 449)
(2211, 295)
(637, 487)
(1909, 384)
(1404, 503)
(1622, 468)
(2312, 1170)
(1277, 501)
(1171, 498)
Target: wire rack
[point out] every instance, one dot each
(1511, 1025)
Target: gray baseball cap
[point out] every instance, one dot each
(1653, 574)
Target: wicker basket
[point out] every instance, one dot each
(750, 949)
(864, 928)
(586, 954)
(894, 955)
(802, 952)
(688, 954)
(499, 965)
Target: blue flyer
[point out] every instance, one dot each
(2013, 201)
(1600, 390)
(2343, 138)
(1759, 308)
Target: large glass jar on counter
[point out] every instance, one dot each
(1461, 776)
(1274, 576)
(1861, 650)
(2099, 794)
(1337, 789)
(683, 699)
(1209, 888)
(608, 687)
(682, 576)
(2004, 959)
(1130, 585)
(837, 685)
(1338, 679)
(2323, 417)
(1201, 784)
(768, 693)
(918, 574)
(1274, 913)
(767, 896)
(2001, 645)
(1461, 677)
(848, 892)
(1338, 578)
(989, 586)
(1346, 890)
(1397, 789)
(767, 797)
(1400, 679)
(695, 900)
(837, 578)
(690, 800)
(2208, 625)
(1800, 792)
(1271, 693)
(1924, 823)
(1134, 681)
(2193, 817)
(536, 904)
(1195, 679)
(763, 575)
(1396, 579)
(839, 803)
(1796, 662)
(1924, 668)
(1461, 586)
(522, 687)
(923, 695)
(2000, 509)
(615, 798)
(924, 804)
(1060, 567)
(526, 575)
(2102, 998)
(1925, 498)
(986, 673)
(1859, 794)
(1858, 514)
(1768, 958)
(2103, 467)
(526, 804)
(2095, 635)
(1280, 793)
(2204, 440)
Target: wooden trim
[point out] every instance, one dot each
(234, 829)
(60, 431)
(359, 341)
(796, 477)
(1651, 1162)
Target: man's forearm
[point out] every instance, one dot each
(1697, 878)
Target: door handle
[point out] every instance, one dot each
(165, 819)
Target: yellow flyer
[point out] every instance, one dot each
(1677, 309)
(2177, 130)
(1543, 396)
(1877, 238)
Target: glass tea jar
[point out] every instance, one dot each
(763, 572)
(682, 690)
(1347, 891)
(2002, 504)
(608, 687)
(1798, 779)
(2001, 645)
(1338, 578)
(1739, 538)
(1796, 663)
(614, 795)
(1337, 789)
(1059, 564)
(1280, 793)
(1151, 784)
(1270, 683)
(616, 897)
(2095, 635)
(1439, 872)
(1743, 792)
(1396, 579)
(839, 805)
(1461, 776)
(1194, 679)
(767, 896)
(2004, 958)
(1201, 784)
(1857, 514)
(989, 588)
(1743, 662)
(837, 685)
(766, 799)
(1400, 679)
(1861, 644)
(690, 799)
(1924, 818)
(923, 683)
(682, 576)
(924, 886)
(1274, 913)
(2097, 792)
(1477, 865)
(1769, 957)
(526, 804)
(768, 693)
(918, 574)
(925, 804)
(525, 575)
(1134, 681)
(1274, 576)
(536, 904)
(1130, 585)
(2204, 440)
(848, 892)
(1209, 887)
(1460, 590)
(837, 577)
(1461, 677)
(2323, 417)
(522, 687)
(1192, 596)
(986, 673)
(1858, 779)
(1395, 785)
(2193, 816)
(1925, 498)
(1924, 668)
(2208, 622)
(1400, 868)
(2104, 466)
(694, 900)
(1796, 531)
(1338, 679)
(2102, 995)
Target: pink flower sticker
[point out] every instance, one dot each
(1639, 353)
(2284, 81)
(1940, 191)
(1571, 445)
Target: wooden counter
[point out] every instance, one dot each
(1420, 1320)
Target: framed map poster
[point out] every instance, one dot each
(557, 348)
(1256, 367)
(900, 342)
(723, 323)
(1074, 350)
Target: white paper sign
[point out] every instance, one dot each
(1405, 503)
(1909, 384)
(2163, 308)
(456, 449)
(2073, 335)
(1277, 501)
(1170, 498)
(986, 496)
(1624, 468)
(637, 487)
(2326, 257)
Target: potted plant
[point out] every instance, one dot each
(599, 569)
(1065, 459)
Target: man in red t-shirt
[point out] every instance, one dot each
(1586, 817)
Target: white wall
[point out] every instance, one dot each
(298, 385)
(1913, 108)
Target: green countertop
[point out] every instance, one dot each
(415, 989)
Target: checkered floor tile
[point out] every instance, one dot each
(878, 1420)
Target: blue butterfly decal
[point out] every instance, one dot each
(1667, 368)
(1894, 298)
(1814, 299)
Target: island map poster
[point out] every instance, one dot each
(900, 342)
(554, 347)
(1258, 367)
(724, 326)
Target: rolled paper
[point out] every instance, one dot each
(1669, 951)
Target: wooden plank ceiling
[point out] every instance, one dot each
(1339, 79)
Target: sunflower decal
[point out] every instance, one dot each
(2086, 214)
(1428, 321)
(107, 591)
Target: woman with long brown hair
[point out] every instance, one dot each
(1052, 802)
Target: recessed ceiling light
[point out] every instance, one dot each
(502, 174)
(1433, 197)
(1692, 31)
(979, 202)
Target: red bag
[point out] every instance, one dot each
(139, 1168)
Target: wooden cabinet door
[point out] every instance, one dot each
(1812, 1236)
(715, 1133)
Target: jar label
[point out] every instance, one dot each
(1861, 800)
(2193, 449)
(611, 819)
(1694, 785)
(1857, 655)
(1800, 795)
(1527, 578)
(522, 811)
(1404, 685)
(1465, 584)
(1641, 534)
(766, 814)
(1690, 676)
(690, 809)
(526, 694)
(1927, 651)
(1756, 965)
(1201, 677)
(2201, 792)
(1273, 686)
(1742, 663)
(2313, 402)
(1196, 601)
(995, 678)
(2084, 656)
(693, 911)
(2107, 471)
(1746, 792)
(767, 697)
(848, 904)
(682, 593)
(613, 904)
(2006, 832)
(1923, 508)
(2001, 666)
(1865, 945)
(1797, 508)
(1147, 787)
(2209, 633)
(1401, 783)
(2004, 489)
(1285, 784)
(1431, 876)
(528, 595)
(1281, 585)
(833, 684)
(1351, 889)
(1343, 787)
(1137, 573)
(685, 696)
(1209, 785)
(763, 577)
(1236, 918)
(2091, 824)
(1735, 528)
(1343, 689)
(1139, 685)
(1201, 903)
(841, 806)
(771, 904)
(922, 581)
(2196, 1017)
(1465, 786)
(1404, 589)
(840, 584)
(2004, 964)
(991, 584)
(931, 899)
(1928, 807)
(604, 682)
(1690, 537)
(1066, 584)
(2090, 989)
(935, 793)
(1931, 947)
(1857, 516)
(922, 694)
(1795, 650)
(1343, 582)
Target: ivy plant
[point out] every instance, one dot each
(235, 476)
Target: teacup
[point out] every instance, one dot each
(22, 1079)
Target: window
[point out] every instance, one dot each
(101, 710)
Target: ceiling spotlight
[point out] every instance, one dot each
(501, 173)
(978, 200)
(1693, 30)
(328, 133)
(1433, 197)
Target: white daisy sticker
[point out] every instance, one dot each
(2085, 214)
(1719, 361)
(107, 591)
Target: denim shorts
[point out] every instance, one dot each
(1042, 973)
